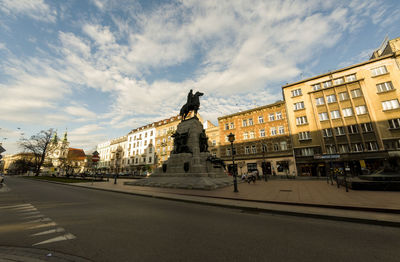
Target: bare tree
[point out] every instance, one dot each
(37, 145)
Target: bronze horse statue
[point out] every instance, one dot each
(194, 105)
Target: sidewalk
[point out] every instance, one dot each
(290, 197)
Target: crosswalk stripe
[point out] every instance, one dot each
(15, 206)
(30, 217)
(56, 230)
(68, 236)
(40, 220)
(27, 209)
(30, 213)
(51, 224)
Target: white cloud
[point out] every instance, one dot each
(237, 52)
(36, 9)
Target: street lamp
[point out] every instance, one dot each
(264, 146)
(231, 138)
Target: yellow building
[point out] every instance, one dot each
(9, 160)
(212, 133)
(262, 140)
(349, 117)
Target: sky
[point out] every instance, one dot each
(100, 68)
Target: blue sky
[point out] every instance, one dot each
(100, 68)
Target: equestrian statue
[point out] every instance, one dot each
(192, 104)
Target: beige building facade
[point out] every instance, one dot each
(262, 140)
(348, 118)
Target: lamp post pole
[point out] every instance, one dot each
(265, 164)
(231, 138)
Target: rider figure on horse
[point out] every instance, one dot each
(190, 97)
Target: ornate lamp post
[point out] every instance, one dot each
(231, 138)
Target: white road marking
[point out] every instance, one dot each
(15, 206)
(40, 220)
(30, 217)
(27, 209)
(51, 224)
(30, 213)
(56, 230)
(68, 236)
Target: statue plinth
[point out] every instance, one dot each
(190, 165)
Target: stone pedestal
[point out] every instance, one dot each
(190, 168)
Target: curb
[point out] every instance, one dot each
(260, 210)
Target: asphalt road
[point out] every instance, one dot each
(106, 226)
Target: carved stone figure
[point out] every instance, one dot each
(193, 103)
(203, 140)
(180, 143)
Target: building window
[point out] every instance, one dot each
(302, 120)
(327, 132)
(339, 131)
(319, 101)
(273, 131)
(299, 105)
(214, 142)
(347, 112)
(327, 84)
(352, 129)
(330, 99)
(351, 78)
(335, 114)
(253, 149)
(357, 147)
(356, 93)
(379, 71)
(281, 130)
(316, 87)
(150, 159)
(361, 110)
(394, 123)
(390, 104)
(250, 121)
(304, 135)
(244, 122)
(232, 126)
(252, 134)
(262, 132)
(343, 96)
(344, 148)
(338, 81)
(278, 115)
(276, 147)
(331, 149)
(384, 87)
(260, 119)
(150, 150)
(308, 151)
(228, 151)
(371, 146)
(264, 148)
(245, 135)
(367, 127)
(271, 117)
(283, 145)
(226, 126)
(323, 116)
(247, 150)
(296, 92)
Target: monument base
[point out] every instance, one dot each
(188, 182)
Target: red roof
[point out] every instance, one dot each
(76, 154)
